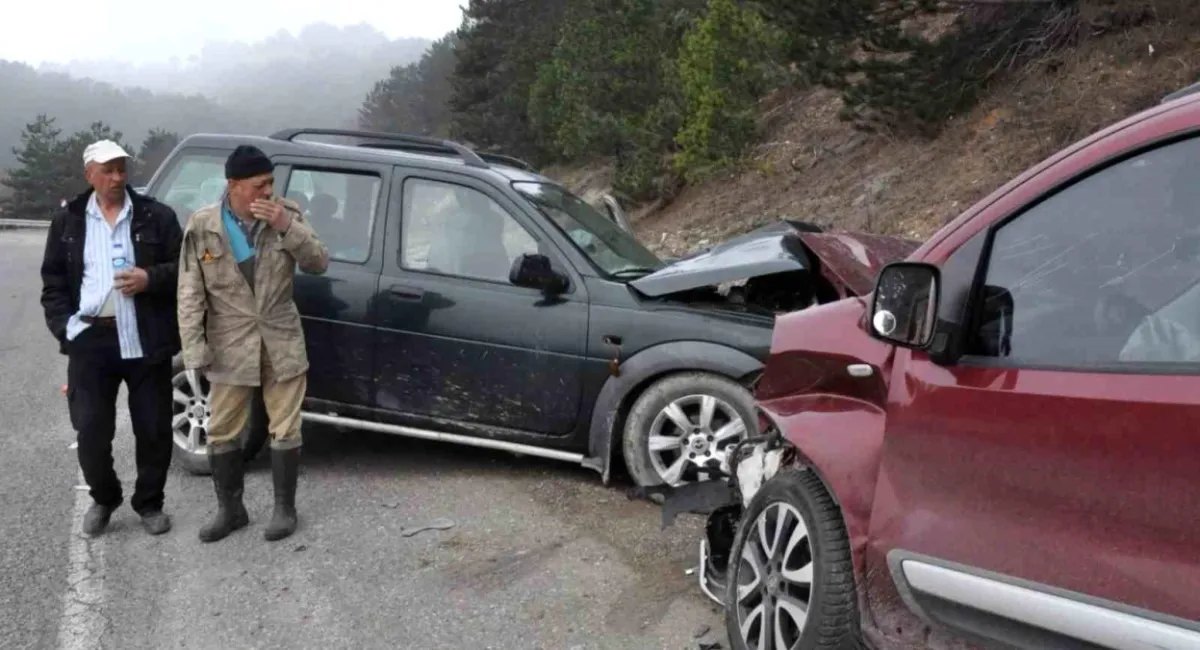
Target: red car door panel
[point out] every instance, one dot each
(1086, 482)
(1059, 453)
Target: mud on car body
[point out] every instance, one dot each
(472, 300)
(996, 447)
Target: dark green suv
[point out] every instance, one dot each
(471, 300)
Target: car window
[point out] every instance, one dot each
(609, 247)
(1102, 273)
(194, 181)
(340, 206)
(457, 230)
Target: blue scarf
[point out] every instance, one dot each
(242, 250)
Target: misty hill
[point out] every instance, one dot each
(76, 103)
(318, 77)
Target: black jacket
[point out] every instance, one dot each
(156, 236)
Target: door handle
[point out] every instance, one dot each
(860, 370)
(405, 292)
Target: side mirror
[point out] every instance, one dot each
(533, 270)
(904, 306)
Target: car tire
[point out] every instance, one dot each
(653, 420)
(818, 566)
(190, 451)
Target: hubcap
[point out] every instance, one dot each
(773, 583)
(190, 413)
(691, 436)
(775, 580)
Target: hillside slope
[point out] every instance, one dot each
(813, 167)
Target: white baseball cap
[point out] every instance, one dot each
(103, 151)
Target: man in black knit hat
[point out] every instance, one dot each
(240, 327)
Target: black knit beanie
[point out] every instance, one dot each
(247, 161)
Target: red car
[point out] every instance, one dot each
(1000, 447)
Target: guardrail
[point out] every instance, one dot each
(22, 223)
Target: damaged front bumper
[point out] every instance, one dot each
(719, 532)
(753, 462)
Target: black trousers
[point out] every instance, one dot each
(95, 371)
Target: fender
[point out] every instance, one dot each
(840, 439)
(677, 356)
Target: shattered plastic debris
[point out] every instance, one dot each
(73, 445)
(437, 524)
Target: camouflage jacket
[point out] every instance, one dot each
(222, 323)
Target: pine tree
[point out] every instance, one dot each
(159, 143)
(48, 168)
(34, 193)
(414, 98)
(608, 88)
(501, 44)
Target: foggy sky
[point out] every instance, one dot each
(146, 31)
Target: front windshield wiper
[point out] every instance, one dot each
(633, 270)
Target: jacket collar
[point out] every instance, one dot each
(78, 205)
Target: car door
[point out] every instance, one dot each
(456, 340)
(345, 202)
(1044, 486)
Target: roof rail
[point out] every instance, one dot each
(1182, 92)
(507, 160)
(416, 141)
(485, 155)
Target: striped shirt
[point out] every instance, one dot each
(98, 276)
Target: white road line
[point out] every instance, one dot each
(83, 620)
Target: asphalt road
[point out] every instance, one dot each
(541, 555)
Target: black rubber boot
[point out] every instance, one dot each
(285, 467)
(229, 481)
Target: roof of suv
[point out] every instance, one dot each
(379, 148)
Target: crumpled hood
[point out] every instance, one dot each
(848, 260)
(853, 260)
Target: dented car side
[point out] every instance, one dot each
(985, 500)
(516, 316)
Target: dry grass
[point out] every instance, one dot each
(811, 166)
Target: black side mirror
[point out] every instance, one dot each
(904, 306)
(533, 270)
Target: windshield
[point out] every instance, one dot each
(615, 251)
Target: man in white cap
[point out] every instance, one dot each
(109, 276)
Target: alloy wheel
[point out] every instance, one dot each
(693, 431)
(774, 580)
(191, 411)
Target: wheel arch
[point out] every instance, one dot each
(640, 371)
(847, 464)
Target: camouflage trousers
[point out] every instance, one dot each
(231, 411)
